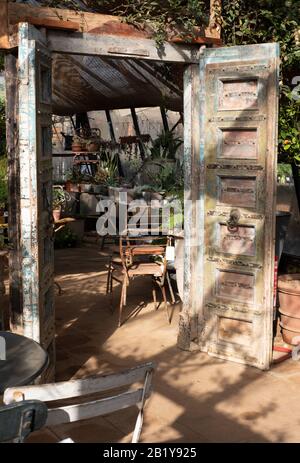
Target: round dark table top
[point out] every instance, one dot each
(25, 360)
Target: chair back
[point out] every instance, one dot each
(19, 419)
(113, 400)
(132, 247)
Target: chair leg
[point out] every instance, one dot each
(124, 284)
(125, 290)
(102, 243)
(154, 297)
(163, 290)
(170, 288)
(110, 291)
(108, 281)
(111, 283)
(60, 291)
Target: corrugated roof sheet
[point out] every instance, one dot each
(85, 83)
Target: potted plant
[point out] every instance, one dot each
(161, 154)
(58, 199)
(109, 163)
(77, 145)
(165, 146)
(289, 300)
(100, 185)
(92, 145)
(74, 178)
(86, 185)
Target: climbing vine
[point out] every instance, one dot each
(161, 17)
(165, 16)
(244, 22)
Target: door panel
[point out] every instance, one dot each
(35, 115)
(235, 202)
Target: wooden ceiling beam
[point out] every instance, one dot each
(76, 43)
(85, 22)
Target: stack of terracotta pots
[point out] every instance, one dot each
(289, 299)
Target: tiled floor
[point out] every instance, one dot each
(196, 398)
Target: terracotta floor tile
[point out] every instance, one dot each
(196, 398)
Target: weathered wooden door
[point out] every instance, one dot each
(231, 107)
(35, 152)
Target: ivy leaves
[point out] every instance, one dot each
(165, 17)
(272, 21)
(289, 127)
(266, 21)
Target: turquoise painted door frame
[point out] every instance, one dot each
(231, 112)
(35, 156)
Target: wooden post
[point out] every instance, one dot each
(137, 131)
(82, 121)
(110, 125)
(12, 143)
(180, 121)
(113, 138)
(164, 119)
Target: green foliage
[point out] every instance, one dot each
(74, 175)
(109, 162)
(2, 128)
(283, 171)
(261, 21)
(165, 146)
(65, 238)
(3, 181)
(289, 129)
(58, 198)
(162, 17)
(169, 179)
(3, 160)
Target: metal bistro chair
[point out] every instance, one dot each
(90, 407)
(131, 261)
(20, 419)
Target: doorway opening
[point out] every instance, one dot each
(229, 107)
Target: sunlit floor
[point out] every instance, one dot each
(196, 398)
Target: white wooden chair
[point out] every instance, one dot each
(18, 420)
(91, 385)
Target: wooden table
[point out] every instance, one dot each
(25, 360)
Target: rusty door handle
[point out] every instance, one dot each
(232, 222)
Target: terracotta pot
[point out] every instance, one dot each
(289, 299)
(76, 147)
(56, 214)
(290, 337)
(93, 146)
(72, 187)
(68, 186)
(290, 323)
